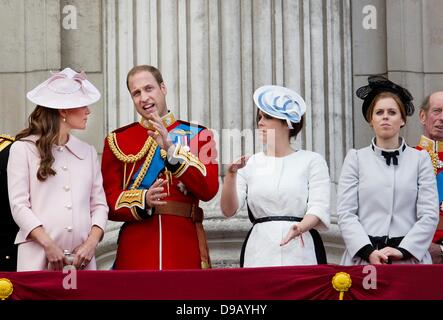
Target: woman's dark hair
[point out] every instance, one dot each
(292, 132)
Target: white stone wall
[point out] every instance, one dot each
(407, 46)
(34, 42)
(213, 54)
(30, 45)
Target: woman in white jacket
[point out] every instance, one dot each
(387, 201)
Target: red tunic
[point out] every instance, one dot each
(165, 241)
(435, 150)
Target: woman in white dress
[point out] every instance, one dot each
(286, 191)
(387, 201)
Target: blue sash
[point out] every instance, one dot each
(440, 186)
(156, 166)
(182, 134)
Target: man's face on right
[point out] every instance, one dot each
(148, 96)
(433, 119)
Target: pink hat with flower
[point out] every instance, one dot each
(66, 89)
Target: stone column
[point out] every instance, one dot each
(30, 41)
(82, 50)
(214, 54)
(406, 46)
(369, 56)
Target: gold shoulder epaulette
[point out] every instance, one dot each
(5, 141)
(128, 158)
(7, 137)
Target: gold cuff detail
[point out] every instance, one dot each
(131, 199)
(187, 159)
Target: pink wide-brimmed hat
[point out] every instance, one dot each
(66, 89)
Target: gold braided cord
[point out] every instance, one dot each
(168, 176)
(435, 161)
(128, 179)
(124, 177)
(128, 158)
(145, 166)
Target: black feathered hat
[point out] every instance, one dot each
(378, 84)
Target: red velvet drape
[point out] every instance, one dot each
(276, 283)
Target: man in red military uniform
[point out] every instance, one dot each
(431, 117)
(155, 172)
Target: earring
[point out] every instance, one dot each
(64, 119)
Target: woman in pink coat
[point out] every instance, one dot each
(54, 179)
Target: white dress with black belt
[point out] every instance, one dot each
(290, 186)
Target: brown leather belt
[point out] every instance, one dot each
(189, 210)
(181, 209)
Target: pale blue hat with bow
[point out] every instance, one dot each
(281, 103)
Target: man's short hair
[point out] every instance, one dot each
(144, 67)
(426, 104)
